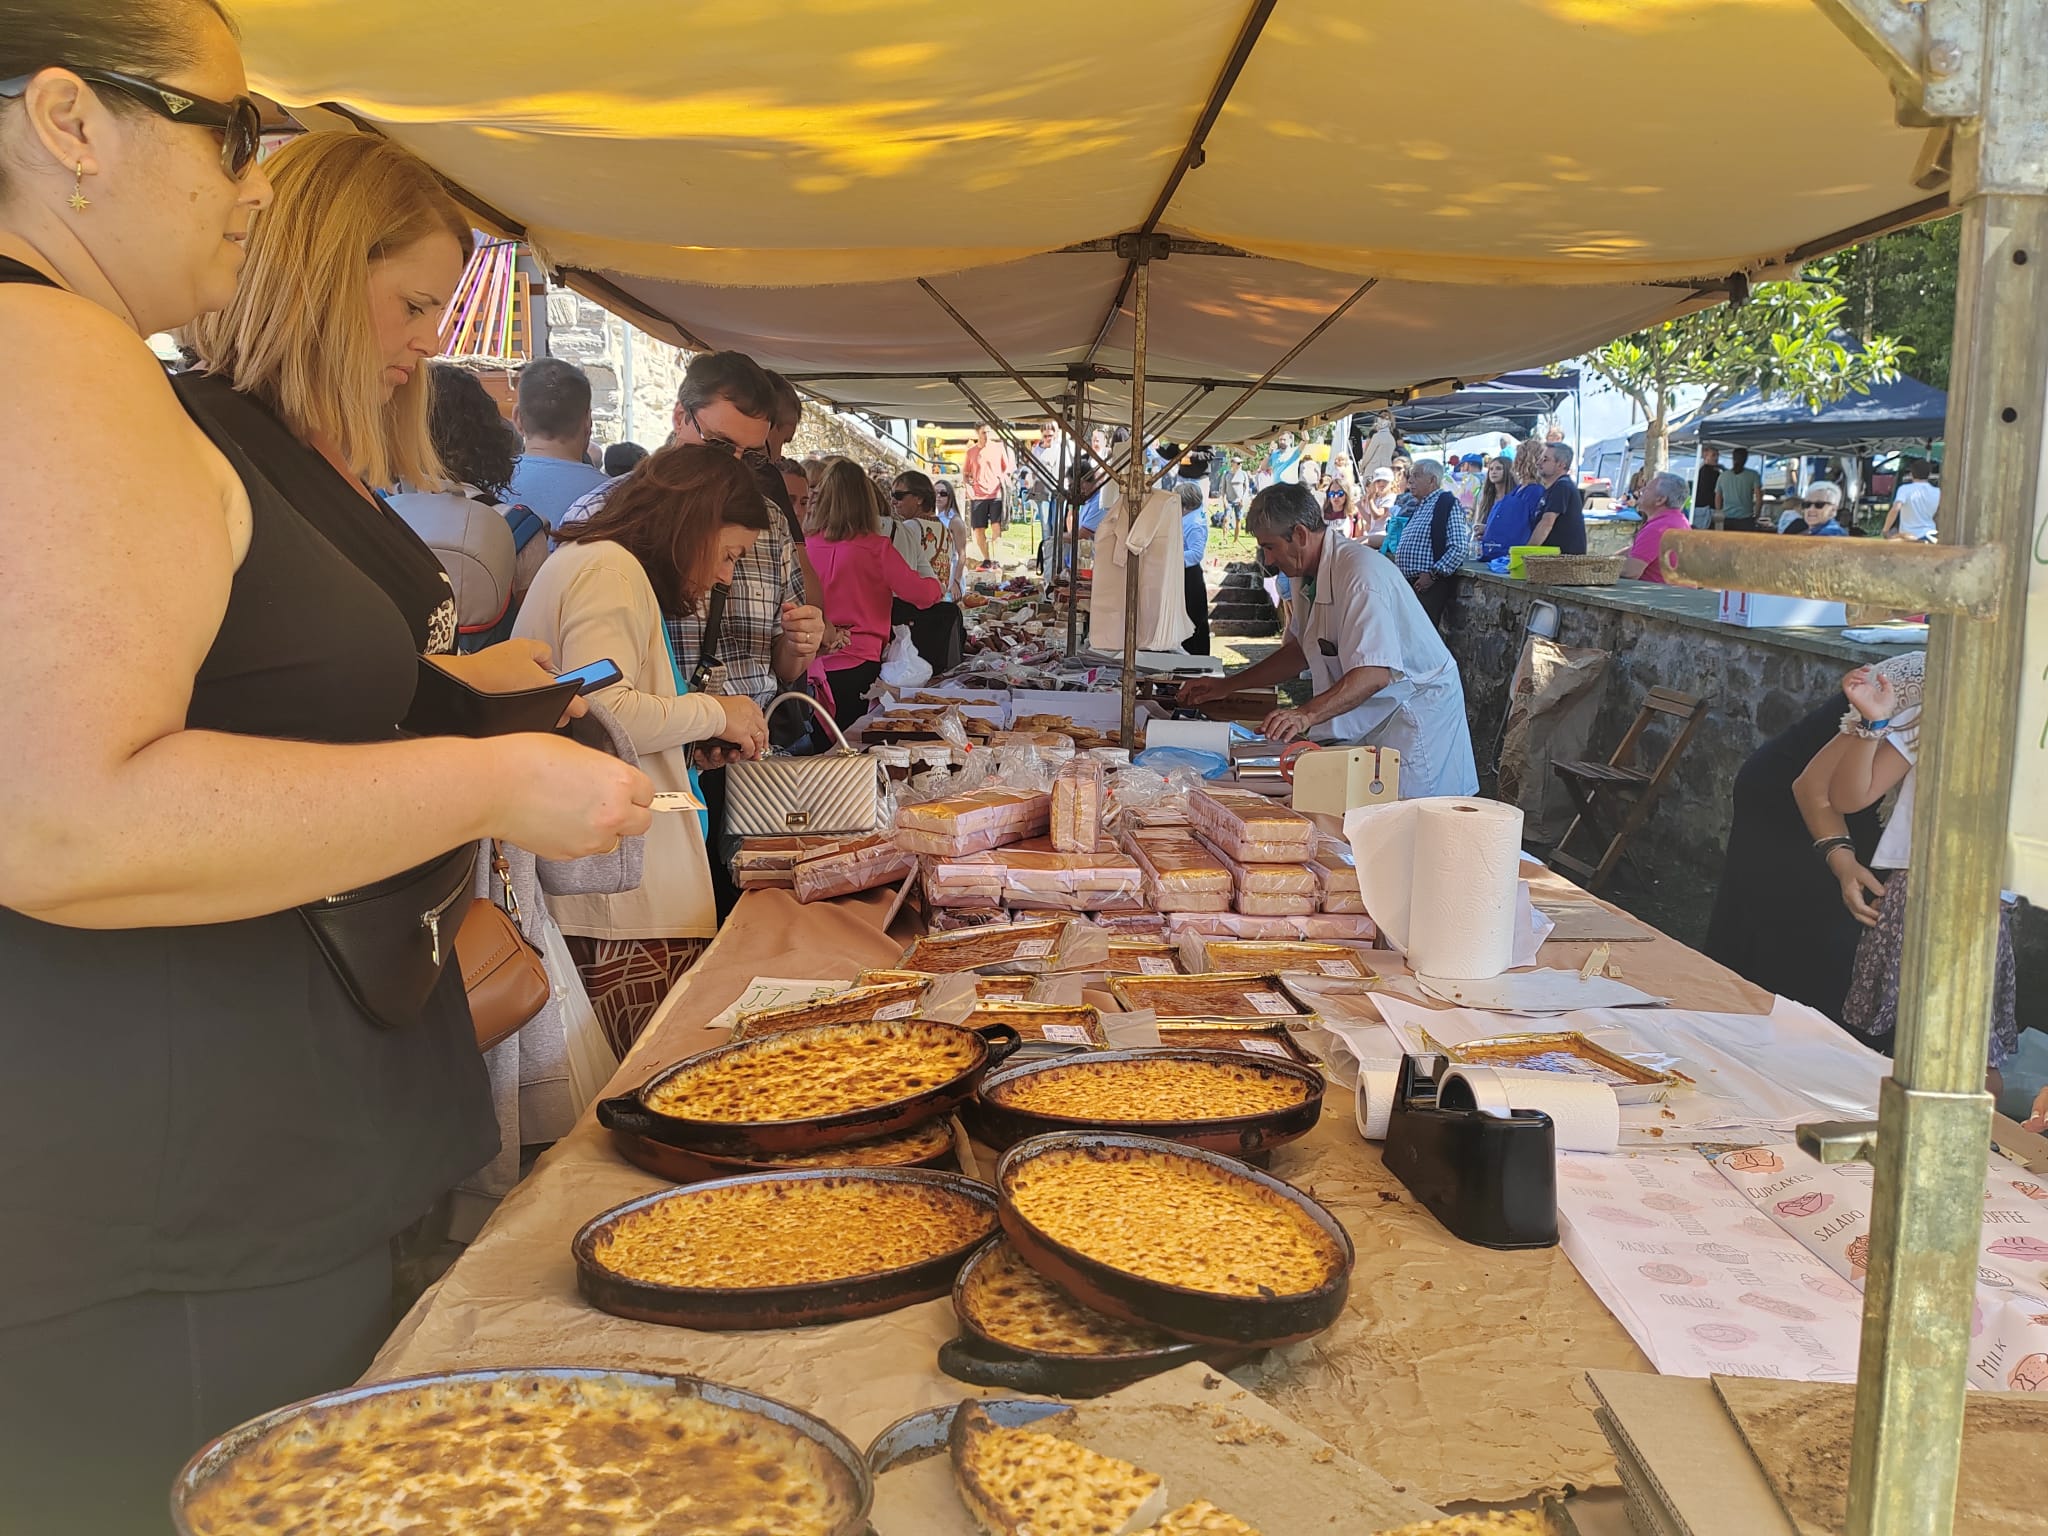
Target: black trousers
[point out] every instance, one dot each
(1197, 644)
(1436, 602)
(100, 1408)
(939, 632)
(848, 686)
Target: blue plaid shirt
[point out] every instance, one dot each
(1417, 557)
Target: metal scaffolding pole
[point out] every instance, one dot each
(1080, 443)
(1134, 496)
(1984, 64)
(1061, 540)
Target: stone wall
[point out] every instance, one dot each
(1754, 687)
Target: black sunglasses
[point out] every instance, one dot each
(900, 495)
(1815, 505)
(239, 122)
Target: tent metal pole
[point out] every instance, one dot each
(1134, 498)
(1987, 69)
(1080, 443)
(1263, 379)
(996, 357)
(1161, 423)
(1001, 429)
(1057, 535)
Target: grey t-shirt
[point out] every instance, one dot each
(1739, 489)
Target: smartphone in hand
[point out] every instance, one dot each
(588, 679)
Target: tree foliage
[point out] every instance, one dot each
(1904, 285)
(1788, 339)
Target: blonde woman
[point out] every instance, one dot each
(1509, 521)
(211, 743)
(317, 369)
(669, 532)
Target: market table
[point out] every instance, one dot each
(1457, 1372)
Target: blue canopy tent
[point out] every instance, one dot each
(1902, 414)
(1513, 403)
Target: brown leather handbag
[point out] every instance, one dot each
(505, 978)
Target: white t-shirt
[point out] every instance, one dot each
(1916, 501)
(1364, 614)
(1895, 846)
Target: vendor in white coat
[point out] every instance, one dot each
(1382, 675)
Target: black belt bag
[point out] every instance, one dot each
(388, 943)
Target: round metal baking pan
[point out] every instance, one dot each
(918, 1146)
(218, 1456)
(741, 1308)
(993, 1045)
(1203, 1316)
(1000, 1125)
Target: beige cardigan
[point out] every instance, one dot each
(593, 602)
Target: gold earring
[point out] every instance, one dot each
(79, 201)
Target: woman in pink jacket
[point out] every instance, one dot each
(861, 573)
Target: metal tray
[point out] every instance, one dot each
(1282, 957)
(1274, 1042)
(884, 1000)
(1632, 1082)
(1009, 988)
(1177, 998)
(929, 1145)
(219, 1455)
(739, 1308)
(971, 949)
(1145, 957)
(998, 1125)
(1202, 1316)
(1075, 1025)
(751, 1139)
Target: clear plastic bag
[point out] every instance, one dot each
(1078, 796)
(902, 667)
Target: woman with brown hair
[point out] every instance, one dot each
(861, 572)
(210, 745)
(667, 534)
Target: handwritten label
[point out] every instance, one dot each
(1269, 1002)
(902, 1010)
(1263, 1048)
(1157, 965)
(1070, 1034)
(1338, 967)
(1033, 949)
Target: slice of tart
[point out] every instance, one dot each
(1024, 1482)
(1200, 1518)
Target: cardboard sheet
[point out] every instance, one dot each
(1697, 1476)
(1799, 1434)
(1456, 1371)
(1208, 1438)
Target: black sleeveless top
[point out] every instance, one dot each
(202, 1108)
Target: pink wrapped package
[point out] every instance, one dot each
(1036, 878)
(970, 823)
(856, 866)
(1251, 828)
(1337, 877)
(1237, 925)
(1182, 874)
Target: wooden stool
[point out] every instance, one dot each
(1618, 778)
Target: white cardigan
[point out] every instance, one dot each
(593, 602)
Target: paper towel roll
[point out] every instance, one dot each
(1375, 1102)
(1461, 913)
(1585, 1114)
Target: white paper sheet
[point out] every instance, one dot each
(778, 992)
(1704, 1284)
(1540, 991)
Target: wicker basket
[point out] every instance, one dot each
(1574, 570)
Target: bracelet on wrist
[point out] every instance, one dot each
(1827, 845)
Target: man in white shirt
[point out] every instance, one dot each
(1381, 672)
(1913, 508)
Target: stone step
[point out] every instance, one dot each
(1251, 628)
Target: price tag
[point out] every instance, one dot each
(1338, 967)
(1157, 965)
(1033, 949)
(1069, 1034)
(1264, 1048)
(902, 1010)
(1269, 1002)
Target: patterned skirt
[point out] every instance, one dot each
(628, 978)
(1872, 1009)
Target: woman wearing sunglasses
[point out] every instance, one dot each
(205, 1145)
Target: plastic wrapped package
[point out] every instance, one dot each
(1077, 802)
(1181, 873)
(764, 862)
(1027, 878)
(1251, 828)
(969, 823)
(1337, 877)
(947, 919)
(1138, 925)
(1237, 925)
(860, 865)
(1270, 890)
(1255, 904)
(1054, 747)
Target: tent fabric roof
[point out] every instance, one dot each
(777, 175)
(1898, 414)
(1493, 407)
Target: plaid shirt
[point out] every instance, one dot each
(766, 577)
(1416, 558)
